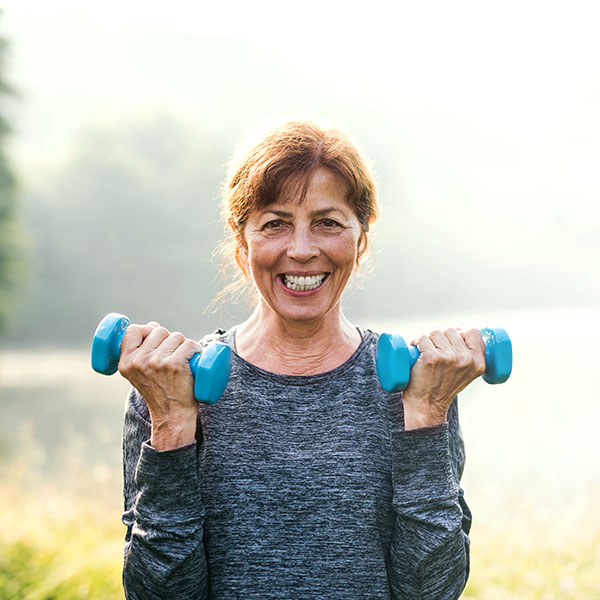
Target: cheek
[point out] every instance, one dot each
(263, 254)
(344, 251)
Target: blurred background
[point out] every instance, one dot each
(482, 123)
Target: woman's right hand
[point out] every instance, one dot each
(156, 363)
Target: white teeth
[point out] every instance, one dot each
(300, 283)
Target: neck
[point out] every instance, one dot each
(296, 347)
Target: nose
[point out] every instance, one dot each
(302, 245)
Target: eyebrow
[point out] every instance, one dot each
(316, 213)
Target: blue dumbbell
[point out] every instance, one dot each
(395, 359)
(211, 367)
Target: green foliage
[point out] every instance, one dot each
(12, 263)
(29, 570)
(129, 225)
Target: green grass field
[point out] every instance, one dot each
(59, 545)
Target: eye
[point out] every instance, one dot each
(329, 224)
(273, 225)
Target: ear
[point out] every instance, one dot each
(243, 253)
(241, 250)
(361, 249)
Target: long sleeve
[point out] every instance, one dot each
(429, 550)
(164, 515)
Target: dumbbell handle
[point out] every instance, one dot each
(395, 358)
(211, 367)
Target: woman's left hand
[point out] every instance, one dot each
(448, 362)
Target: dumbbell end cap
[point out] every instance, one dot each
(211, 372)
(393, 362)
(498, 355)
(106, 344)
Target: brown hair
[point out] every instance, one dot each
(289, 154)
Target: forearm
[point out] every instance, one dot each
(164, 549)
(429, 550)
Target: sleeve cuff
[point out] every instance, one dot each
(422, 469)
(167, 485)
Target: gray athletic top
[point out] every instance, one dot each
(297, 488)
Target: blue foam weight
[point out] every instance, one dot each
(498, 355)
(393, 362)
(106, 344)
(211, 367)
(395, 359)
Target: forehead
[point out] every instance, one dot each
(319, 190)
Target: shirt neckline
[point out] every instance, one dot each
(367, 338)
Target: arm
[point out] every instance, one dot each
(164, 550)
(429, 551)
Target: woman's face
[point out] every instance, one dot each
(301, 255)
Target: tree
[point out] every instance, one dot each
(11, 233)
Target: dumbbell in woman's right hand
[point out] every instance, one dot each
(210, 368)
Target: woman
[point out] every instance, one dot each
(306, 479)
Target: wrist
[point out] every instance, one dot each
(170, 435)
(417, 417)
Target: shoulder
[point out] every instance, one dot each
(225, 336)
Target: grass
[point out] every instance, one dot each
(530, 553)
(57, 544)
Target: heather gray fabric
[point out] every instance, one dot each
(297, 488)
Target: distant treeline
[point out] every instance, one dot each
(131, 222)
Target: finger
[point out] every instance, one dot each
(424, 344)
(154, 339)
(464, 358)
(171, 343)
(187, 349)
(474, 341)
(134, 337)
(455, 339)
(153, 324)
(439, 340)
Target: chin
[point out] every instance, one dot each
(299, 314)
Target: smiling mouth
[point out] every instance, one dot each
(300, 283)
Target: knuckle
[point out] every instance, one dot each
(475, 336)
(480, 366)
(191, 345)
(132, 329)
(177, 338)
(124, 367)
(155, 362)
(131, 333)
(464, 360)
(428, 358)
